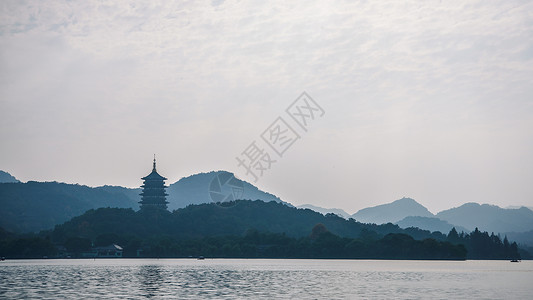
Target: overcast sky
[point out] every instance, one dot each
(425, 99)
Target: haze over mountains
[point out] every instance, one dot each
(431, 224)
(337, 211)
(489, 217)
(392, 212)
(35, 206)
(406, 212)
(219, 186)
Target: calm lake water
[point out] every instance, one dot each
(264, 278)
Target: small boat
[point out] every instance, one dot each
(2, 258)
(201, 257)
(515, 260)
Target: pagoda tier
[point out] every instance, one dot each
(153, 194)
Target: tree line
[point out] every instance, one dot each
(250, 229)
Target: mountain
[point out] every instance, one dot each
(219, 186)
(490, 218)
(524, 238)
(431, 224)
(337, 211)
(517, 207)
(34, 206)
(392, 212)
(131, 194)
(6, 177)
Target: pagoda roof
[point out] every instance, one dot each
(153, 176)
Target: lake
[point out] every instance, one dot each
(263, 278)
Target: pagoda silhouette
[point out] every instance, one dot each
(153, 195)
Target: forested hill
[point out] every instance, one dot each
(34, 206)
(206, 228)
(235, 218)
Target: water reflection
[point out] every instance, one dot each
(265, 279)
(151, 280)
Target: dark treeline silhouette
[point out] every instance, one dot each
(319, 244)
(254, 244)
(249, 229)
(481, 245)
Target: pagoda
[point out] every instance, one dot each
(153, 194)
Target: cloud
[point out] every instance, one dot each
(412, 87)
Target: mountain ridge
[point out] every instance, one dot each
(392, 212)
(5, 177)
(35, 206)
(489, 217)
(431, 224)
(214, 186)
(325, 211)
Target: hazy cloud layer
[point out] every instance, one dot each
(425, 99)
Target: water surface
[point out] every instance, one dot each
(263, 278)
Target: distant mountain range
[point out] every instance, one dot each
(219, 186)
(35, 206)
(431, 224)
(490, 218)
(516, 207)
(392, 212)
(337, 211)
(406, 212)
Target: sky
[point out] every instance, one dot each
(424, 99)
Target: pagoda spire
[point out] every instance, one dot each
(154, 170)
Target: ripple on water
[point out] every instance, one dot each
(267, 279)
